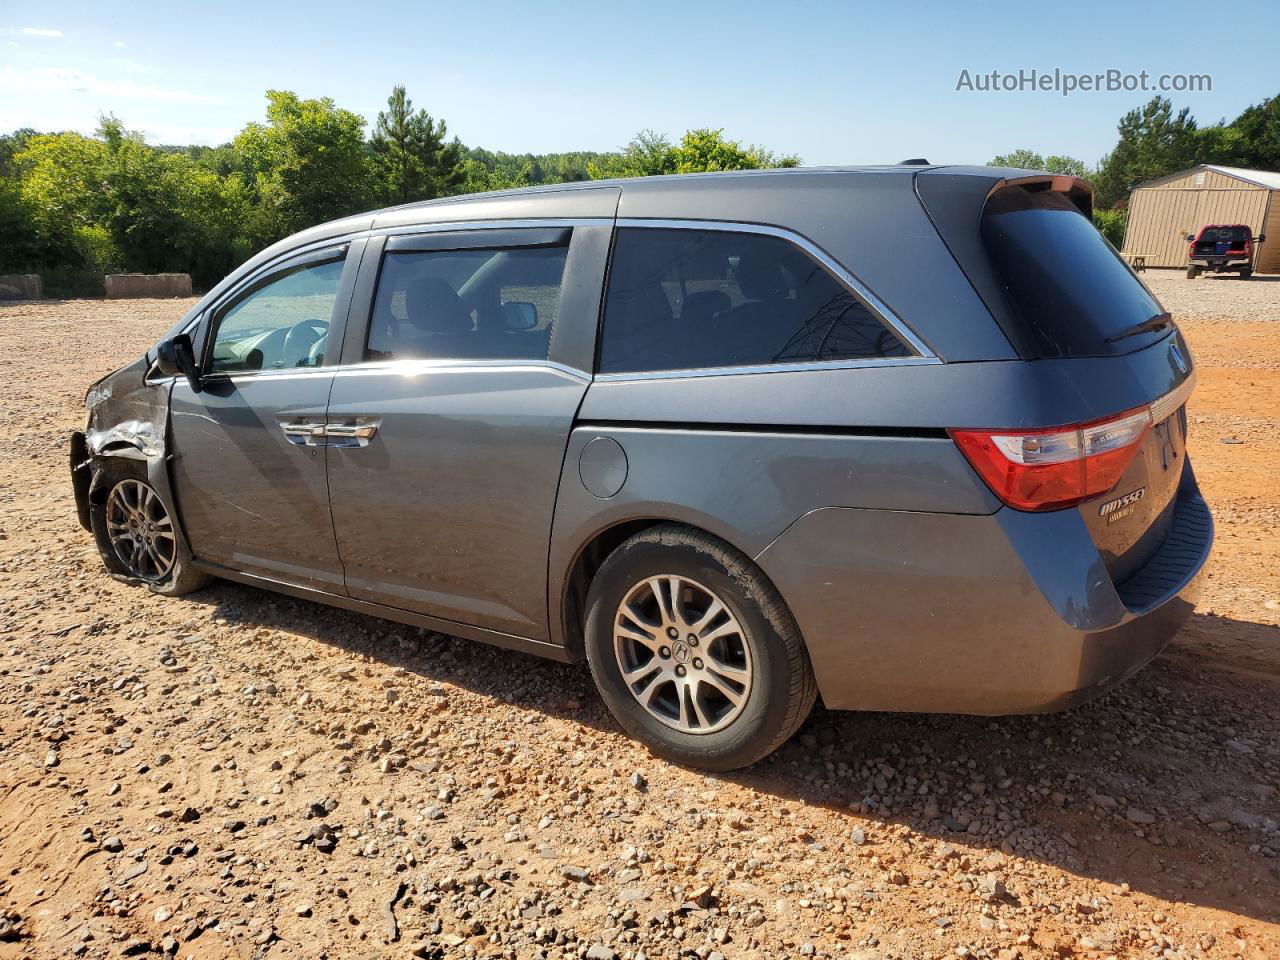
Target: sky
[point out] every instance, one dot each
(835, 83)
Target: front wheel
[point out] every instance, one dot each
(695, 652)
(136, 538)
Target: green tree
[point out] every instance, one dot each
(1111, 224)
(699, 151)
(648, 154)
(1030, 160)
(305, 165)
(478, 178)
(706, 150)
(59, 204)
(1254, 137)
(414, 161)
(165, 212)
(1153, 141)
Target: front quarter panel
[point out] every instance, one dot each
(128, 417)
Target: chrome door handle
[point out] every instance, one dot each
(356, 434)
(304, 434)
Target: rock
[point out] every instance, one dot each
(189, 815)
(112, 845)
(577, 874)
(1134, 815)
(1103, 801)
(638, 781)
(600, 952)
(991, 888)
(1235, 746)
(858, 836)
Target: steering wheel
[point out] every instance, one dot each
(301, 340)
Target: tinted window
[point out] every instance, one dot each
(682, 299)
(1068, 289)
(467, 304)
(284, 323)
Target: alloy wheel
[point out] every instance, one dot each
(682, 654)
(140, 530)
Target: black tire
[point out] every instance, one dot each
(1193, 272)
(1246, 273)
(181, 578)
(782, 691)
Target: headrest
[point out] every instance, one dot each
(432, 306)
(762, 278)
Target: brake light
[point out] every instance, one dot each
(1055, 468)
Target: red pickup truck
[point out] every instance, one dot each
(1222, 248)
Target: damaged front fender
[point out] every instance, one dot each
(142, 436)
(127, 419)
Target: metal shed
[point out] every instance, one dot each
(1162, 212)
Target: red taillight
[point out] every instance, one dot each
(1055, 468)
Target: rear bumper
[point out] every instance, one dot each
(1007, 613)
(1220, 263)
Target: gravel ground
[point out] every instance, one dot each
(239, 774)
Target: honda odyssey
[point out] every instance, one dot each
(912, 438)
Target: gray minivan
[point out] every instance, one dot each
(910, 437)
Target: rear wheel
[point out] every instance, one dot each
(694, 651)
(136, 537)
(1246, 273)
(1192, 272)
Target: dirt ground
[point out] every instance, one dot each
(238, 774)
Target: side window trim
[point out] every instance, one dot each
(924, 355)
(509, 238)
(350, 251)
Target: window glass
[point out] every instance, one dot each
(282, 324)
(681, 299)
(484, 304)
(1070, 293)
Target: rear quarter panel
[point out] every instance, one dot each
(747, 486)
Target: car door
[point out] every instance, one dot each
(459, 386)
(249, 459)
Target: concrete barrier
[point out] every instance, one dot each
(21, 286)
(122, 286)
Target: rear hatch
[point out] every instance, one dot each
(1221, 243)
(1060, 292)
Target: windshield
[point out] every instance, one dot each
(1069, 291)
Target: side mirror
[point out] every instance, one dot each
(175, 357)
(1191, 238)
(519, 315)
(1260, 238)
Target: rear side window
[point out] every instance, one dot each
(485, 304)
(685, 299)
(1068, 290)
